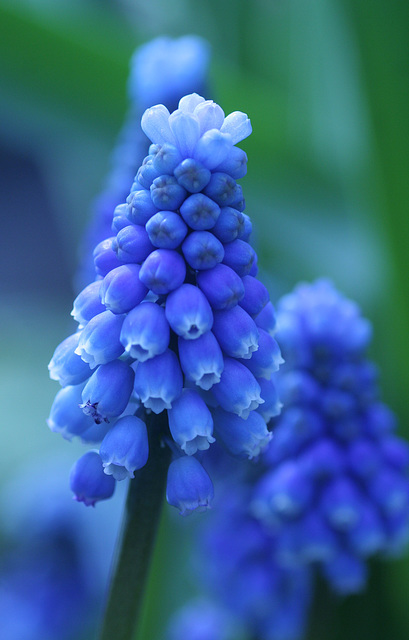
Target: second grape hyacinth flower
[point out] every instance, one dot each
(176, 320)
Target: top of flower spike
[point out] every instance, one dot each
(195, 125)
(165, 69)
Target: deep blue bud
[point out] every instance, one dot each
(266, 359)
(236, 332)
(145, 332)
(121, 289)
(158, 381)
(222, 188)
(188, 312)
(105, 257)
(201, 360)
(166, 230)
(235, 164)
(99, 340)
(255, 296)
(192, 175)
(213, 148)
(108, 390)
(132, 244)
(222, 286)
(283, 493)
(229, 225)
(120, 219)
(125, 448)
(346, 573)
(147, 173)
(141, 207)
(202, 250)
(189, 487)
(242, 437)
(238, 391)
(88, 480)
(190, 422)
(167, 193)
(66, 366)
(240, 256)
(163, 271)
(271, 406)
(88, 303)
(199, 212)
(266, 319)
(167, 159)
(66, 416)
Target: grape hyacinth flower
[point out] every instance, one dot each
(162, 70)
(237, 568)
(176, 324)
(335, 490)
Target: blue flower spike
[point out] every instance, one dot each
(336, 479)
(170, 323)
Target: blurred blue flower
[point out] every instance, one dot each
(335, 489)
(174, 334)
(54, 558)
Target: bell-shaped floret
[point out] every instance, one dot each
(145, 332)
(341, 503)
(66, 416)
(283, 493)
(239, 256)
(202, 250)
(159, 381)
(238, 391)
(188, 312)
(235, 164)
(132, 244)
(167, 159)
(255, 296)
(87, 304)
(222, 286)
(266, 319)
(125, 448)
(121, 289)
(99, 340)
(88, 480)
(105, 258)
(201, 360)
(189, 487)
(163, 271)
(267, 359)
(166, 229)
(236, 333)
(108, 390)
(271, 406)
(66, 366)
(209, 115)
(346, 573)
(190, 422)
(242, 437)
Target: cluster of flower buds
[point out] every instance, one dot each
(336, 487)
(176, 319)
(161, 71)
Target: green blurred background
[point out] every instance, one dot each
(325, 83)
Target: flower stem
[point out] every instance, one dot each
(142, 512)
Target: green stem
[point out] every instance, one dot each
(142, 512)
